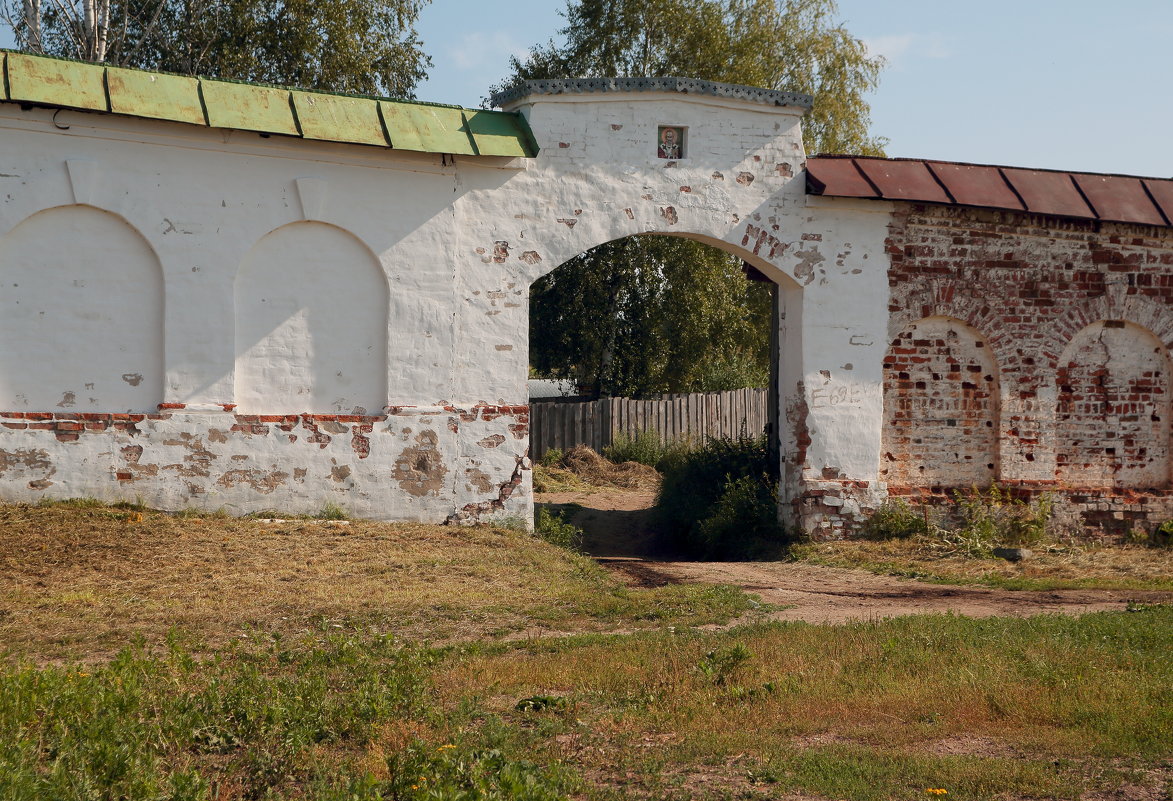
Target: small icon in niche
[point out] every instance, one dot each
(671, 144)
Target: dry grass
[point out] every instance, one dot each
(1052, 566)
(582, 469)
(552, 478)
(81, 582)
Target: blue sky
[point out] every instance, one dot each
(1061, 84)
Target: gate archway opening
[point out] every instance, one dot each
(649, 314)
(660, 318)
(680, 336)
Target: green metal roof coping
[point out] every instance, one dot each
(335, 118)
(249, 108)
(499, 134)
(424, 128)
(354, 119)
(51, 82)
(160, 97)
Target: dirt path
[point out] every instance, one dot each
(618, 535)
(832, 595)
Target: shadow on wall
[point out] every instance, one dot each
(311, 324)
(81, 315)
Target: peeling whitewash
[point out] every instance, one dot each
(214, 319)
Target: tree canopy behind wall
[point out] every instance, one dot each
(623, 338)
(789, 45)
(651, 314)
(359, 46)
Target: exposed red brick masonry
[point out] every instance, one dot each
(1029, 336)
(1033, 351)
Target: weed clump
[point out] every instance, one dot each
(720, 501)
(896, 520)
(995, 517)
(647, 448)
(975, 522)
(331, 511)
(552, 457)
(1161, 537)
(556, 530)
(720, 664)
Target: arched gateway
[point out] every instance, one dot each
(427, 226)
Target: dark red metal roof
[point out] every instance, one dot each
(1120, 199)
(976, 185)
(839, 177)
(1049, 192)
(903, 180)
(1162, 193)
(1093, 196)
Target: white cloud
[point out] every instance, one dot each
(890, 47)
(899, 48)
(936, 46)
(480, 50)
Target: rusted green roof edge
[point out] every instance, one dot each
(65, 83)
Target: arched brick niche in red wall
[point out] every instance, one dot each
(1112, 415)
(940, 407)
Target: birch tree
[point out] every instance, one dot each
(361, 46)
(76, 28)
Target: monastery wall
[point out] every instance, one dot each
(222, 320)
(213, 318)
(1032, 351)
(334, 310)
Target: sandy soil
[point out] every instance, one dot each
(618, 535)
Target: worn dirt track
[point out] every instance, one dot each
(833, 595)
(617, 535)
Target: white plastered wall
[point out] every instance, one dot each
(458, 242)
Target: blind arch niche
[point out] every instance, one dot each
(311, 324)
(81, 315)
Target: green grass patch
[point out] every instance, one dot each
(865, 774)
(166, 725)
(985, 708)
(1045, 707)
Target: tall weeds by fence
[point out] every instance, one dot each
(698, 416)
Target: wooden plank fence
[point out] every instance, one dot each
(564, 423)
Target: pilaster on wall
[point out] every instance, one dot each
(839, 416)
